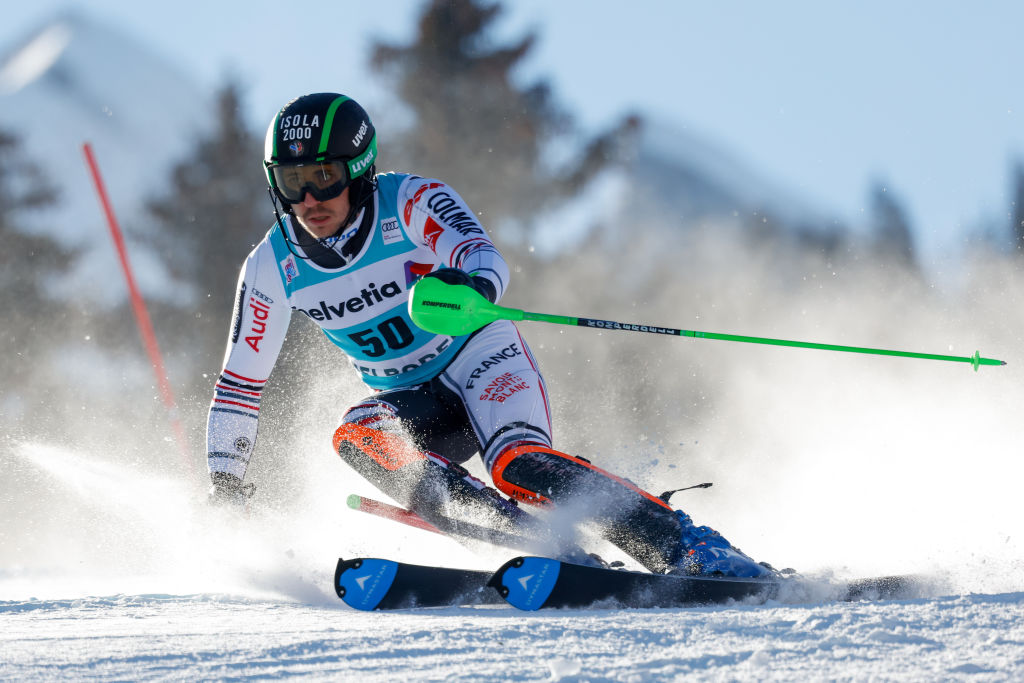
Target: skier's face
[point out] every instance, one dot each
(322, 219)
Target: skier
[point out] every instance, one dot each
(346, 252)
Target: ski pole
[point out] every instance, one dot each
(458, 309)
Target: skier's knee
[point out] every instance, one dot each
(370, 440)
(426, 482)
(358, 445)
(374, 413)
(385, 459)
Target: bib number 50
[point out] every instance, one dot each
(392, 333)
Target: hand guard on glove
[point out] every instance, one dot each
(228, 489)
(454, 276)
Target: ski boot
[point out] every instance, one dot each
(705, 552)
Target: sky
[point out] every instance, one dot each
(826, 98)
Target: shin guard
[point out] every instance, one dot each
(642, 525)
(436, 489)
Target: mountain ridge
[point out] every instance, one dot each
(74, 80)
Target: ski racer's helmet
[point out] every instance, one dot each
(321, 144)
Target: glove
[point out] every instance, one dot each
(454, 276)
(228, 489)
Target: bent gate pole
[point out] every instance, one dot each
(139, 308)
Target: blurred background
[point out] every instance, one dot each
(840, 173)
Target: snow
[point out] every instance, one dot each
(32, 61)
(189, 637)
(144, 581)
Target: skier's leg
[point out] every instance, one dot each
(504, 394)
(642, 525)
(645, 527)
(390, 439)
(494, 384)
(501, 390)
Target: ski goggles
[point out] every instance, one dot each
(324, 180)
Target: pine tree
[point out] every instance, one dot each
(215, 211)
(510, 150)
(23, 189)
(891, 231)
(27, 260)
(1017, 209)
(475, 127)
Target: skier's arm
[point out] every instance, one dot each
(438, 216)
(258, 328)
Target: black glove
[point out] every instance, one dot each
(228, 489)
(454, 276)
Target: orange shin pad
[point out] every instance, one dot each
(642, 525)
(533, 490)
(388, 450)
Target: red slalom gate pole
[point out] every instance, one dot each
(139, 307)
(396, 514)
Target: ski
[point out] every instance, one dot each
(532, 583)
(376, 584)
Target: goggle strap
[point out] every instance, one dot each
(356, 167)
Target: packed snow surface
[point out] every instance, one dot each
(980, 637)
(145, 582)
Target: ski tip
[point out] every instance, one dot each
(354, 501)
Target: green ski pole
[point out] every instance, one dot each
(457, 309)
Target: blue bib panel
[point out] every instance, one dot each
(363, 306)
